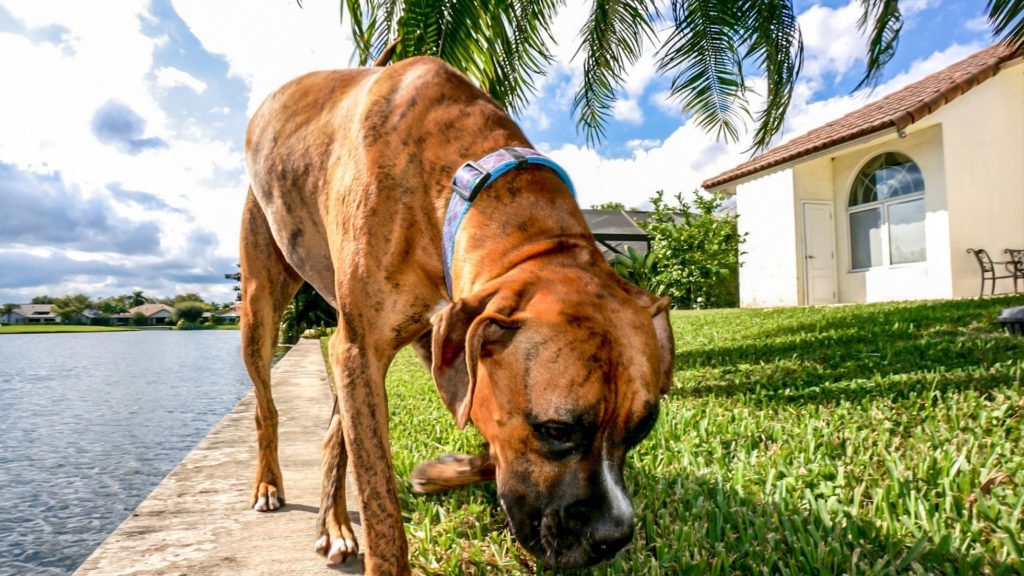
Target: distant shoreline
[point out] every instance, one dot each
(72, 328)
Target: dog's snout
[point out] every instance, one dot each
(609, 536)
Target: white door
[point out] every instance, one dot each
(819, 254)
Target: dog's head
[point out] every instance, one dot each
(561, 372)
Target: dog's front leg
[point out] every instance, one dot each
(359, 370)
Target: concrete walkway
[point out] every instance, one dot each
(198, 520)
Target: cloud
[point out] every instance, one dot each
(171, 77)
(979, 24)
(42, 210)
(643, 144)
(143, 200)
(118, 125)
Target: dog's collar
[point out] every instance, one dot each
(473, 177)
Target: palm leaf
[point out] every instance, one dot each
(885, 22)
(775, 45)
(702, 55)
(1007, 20)
(613, 39)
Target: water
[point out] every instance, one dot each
(89, 425)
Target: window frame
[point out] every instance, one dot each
(883, 207)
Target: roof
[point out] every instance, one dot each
(897, 110)
(150, 309)
(35, 310)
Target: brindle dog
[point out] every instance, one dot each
(555, 359)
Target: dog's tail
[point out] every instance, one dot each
(386, 55)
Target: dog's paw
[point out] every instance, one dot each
(267, 498)
(449, 472)
(339, 549)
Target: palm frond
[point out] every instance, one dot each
(885, 21)
(1007, 20)
(702, 55)
(775, 45)
(613, 39)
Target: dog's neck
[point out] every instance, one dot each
(533, 199)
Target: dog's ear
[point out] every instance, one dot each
(462, 335)
(666, 341)
(659, 309)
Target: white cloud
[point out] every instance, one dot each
(51, 95)
(273, 44)
(643, 144)
(170, 77)
(832, 43)
(979, 24)
(625, 110)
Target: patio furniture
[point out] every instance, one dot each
(1017, 258)
(990, 270)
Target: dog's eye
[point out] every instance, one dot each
(559, 439)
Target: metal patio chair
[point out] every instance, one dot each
(989, 270)
(1017, 264)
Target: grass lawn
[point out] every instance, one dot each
(48, 328)
(865, 439)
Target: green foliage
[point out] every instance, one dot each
(862, 439)
(697, 258)
(189, 311)
(640, 269)
(186, 325)
(307, 310)
(44, 299)
(100, 319)
(114, 305)
(711, 50)
(71, 307)
(7, 310)
(138, 319)
(609, 206)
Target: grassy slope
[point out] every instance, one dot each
(47, 328)
(851, 439)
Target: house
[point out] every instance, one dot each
(156, 314)
(32, 314)
(231, 315)
(883, 203)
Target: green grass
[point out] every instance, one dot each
(48, 328)
(869, 439)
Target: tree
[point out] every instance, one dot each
(71, 307)
(8, 309)
(307, 310)
(44, 300)
(237, 277)
(609, 206)
(190, 312)
(136, 299)
(696, 259)
(710, 51)
(178, 299)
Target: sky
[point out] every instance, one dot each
(121, 129)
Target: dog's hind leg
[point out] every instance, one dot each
(335, 538)
(268, 284)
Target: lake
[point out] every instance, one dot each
(90, 423)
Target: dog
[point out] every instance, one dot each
(527, 331)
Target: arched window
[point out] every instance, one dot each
(886, 213)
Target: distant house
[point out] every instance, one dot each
(156, 314)
(883, 203)
(231, 315)
(32, 314)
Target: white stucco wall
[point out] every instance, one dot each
(920, 280)
(768, 275)
(984, 155)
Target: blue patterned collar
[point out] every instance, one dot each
(473, 177)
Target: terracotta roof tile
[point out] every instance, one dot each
(897, 110)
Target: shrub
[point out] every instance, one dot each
(138, 319)
(190, 312)
(697, 259)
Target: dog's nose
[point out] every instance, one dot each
(608, 536)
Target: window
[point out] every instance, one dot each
(887, 213)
